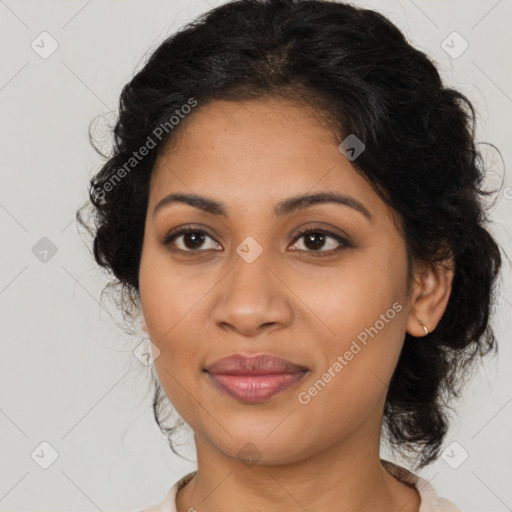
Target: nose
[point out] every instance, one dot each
(252, 298)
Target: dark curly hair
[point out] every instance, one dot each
(361, 76)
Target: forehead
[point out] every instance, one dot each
(241, 131)
(255, 151)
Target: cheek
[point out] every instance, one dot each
(351, 382)
(362, 312)
(351, 297)
(168, 294)
(171, 304)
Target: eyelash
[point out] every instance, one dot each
(344, 243)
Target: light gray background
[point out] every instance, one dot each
(68, 374)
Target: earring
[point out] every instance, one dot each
(424, 327)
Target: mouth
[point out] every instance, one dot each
(256, 378)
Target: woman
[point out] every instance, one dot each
(293, 204)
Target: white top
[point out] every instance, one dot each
(429, 500)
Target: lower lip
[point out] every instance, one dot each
(255, 388)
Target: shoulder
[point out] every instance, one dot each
(430, 501)
(168, 504)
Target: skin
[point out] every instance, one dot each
(204, 304)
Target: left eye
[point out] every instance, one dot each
(317, 240)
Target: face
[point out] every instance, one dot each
(249, 271)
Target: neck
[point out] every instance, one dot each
(345, 477)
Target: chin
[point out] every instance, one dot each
(259, 448)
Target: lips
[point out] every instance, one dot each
(253, 365)
(256, 378)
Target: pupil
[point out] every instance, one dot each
(195, 238)
(317, 240)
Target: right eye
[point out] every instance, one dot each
(189, 239)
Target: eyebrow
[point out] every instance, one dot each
(285, 207)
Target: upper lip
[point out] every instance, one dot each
(265, 364)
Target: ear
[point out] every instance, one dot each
(429, 297)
